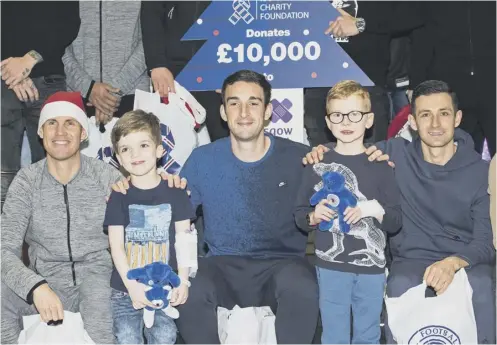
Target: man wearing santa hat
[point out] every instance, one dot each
(57, 206)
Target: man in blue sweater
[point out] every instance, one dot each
(445, 205)
(247, 185)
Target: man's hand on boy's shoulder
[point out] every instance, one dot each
(377, 155)
(317, 154)
(172, 181)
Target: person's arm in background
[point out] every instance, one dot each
(153, 17)
(77, 79)
(126, 79)
(42, 49)
(491, 191)
(376, 15)
(422, 47)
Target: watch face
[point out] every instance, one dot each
(360, 24)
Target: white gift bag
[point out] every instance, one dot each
(180, 119)
(252, 325)
(71, 331)
(445, 319)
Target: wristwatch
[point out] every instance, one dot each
(360, 24)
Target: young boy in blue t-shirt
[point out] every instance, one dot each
(140, 225)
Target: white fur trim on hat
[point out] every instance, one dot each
(63, 108)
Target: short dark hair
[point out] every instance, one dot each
(430, 87)
(248, 76)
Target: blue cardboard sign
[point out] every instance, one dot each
(284, 40)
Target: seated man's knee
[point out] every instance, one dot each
(400, 282)
(202, 288)
(297, 278)
(482, 281)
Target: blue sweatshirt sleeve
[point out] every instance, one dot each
(480, 250)
(302, 205)
(190, 172)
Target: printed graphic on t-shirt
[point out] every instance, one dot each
(147, 235)
(365, 229)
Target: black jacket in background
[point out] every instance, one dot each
(45, 26)
(371, 48)
(456, 44)
(164, 23)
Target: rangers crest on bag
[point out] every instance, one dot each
(435, 335)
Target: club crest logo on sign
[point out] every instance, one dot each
(435, 335)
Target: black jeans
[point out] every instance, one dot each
(286, 285)
(17, 116)
(315, 112)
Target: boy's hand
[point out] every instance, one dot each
(352, 215)
(136, 292)
(172, 181)
(179, 295)
(377, 155)
(322, 213)
(316, 155)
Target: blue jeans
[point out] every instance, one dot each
(339, 292)
(129, 327)
(398, 100)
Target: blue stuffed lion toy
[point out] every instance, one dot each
(159, 277)
(339, 197)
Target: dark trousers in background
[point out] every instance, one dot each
(406, 274)
(479, 115)
(287, 285)
(315, 112)
(17, 116)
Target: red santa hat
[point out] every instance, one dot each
(64, 103)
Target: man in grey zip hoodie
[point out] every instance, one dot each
(57, 206)
(106, 60)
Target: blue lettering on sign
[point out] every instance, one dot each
(279, 131)
(284, 40)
